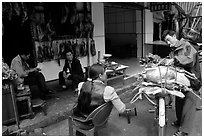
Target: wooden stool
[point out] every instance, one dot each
(128, 112)
(25, 95)
(39, 103)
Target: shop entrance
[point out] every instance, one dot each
(123, 30)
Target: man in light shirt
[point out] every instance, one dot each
(30, 76)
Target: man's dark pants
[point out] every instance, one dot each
(76, 79)
(179, 102)
(36, 79)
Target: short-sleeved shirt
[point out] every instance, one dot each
(20, 68)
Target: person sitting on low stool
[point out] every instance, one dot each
(72, 70)
(30, 76)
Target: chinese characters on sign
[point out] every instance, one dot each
(160, 6)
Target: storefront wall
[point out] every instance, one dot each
(52, 68)
(99, 31)
(139, 32)
(148, 32)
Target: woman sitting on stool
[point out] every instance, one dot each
(94, 93)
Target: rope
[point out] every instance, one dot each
(160, 76)
(166, 76)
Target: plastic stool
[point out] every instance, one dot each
(127, 113)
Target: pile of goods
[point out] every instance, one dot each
(8, 73)
(163, 79)
(109, 65)
(150, 60)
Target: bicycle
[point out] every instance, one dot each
(161, 90)
(160, 105)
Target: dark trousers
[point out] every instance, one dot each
(76, 79)
(36, 79)
(179, 103)
(188, 112)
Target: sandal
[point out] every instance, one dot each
(175, 124)
(179, 133)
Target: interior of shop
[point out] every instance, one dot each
(123, 29)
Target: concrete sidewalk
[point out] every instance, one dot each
(141, 125)
(59, 106)
(56, 123)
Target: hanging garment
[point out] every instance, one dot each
(66, 48)
(62, 51)
(45, 51)
(51, 51)
(83, 49)
(40, 54)
(76, 48)
(92, 48)
(69, 45)
(55, 49)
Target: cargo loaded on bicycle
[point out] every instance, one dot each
(159, 83)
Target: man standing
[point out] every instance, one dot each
(185, 56)
(72, 70)
(30, 76)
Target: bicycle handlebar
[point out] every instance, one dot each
(159, 92)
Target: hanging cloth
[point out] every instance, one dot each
(76, 48)
(83, 49)
(93, 48)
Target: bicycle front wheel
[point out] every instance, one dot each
(162, 117)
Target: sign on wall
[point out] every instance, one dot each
(160, 6)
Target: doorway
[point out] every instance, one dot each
(123, 30)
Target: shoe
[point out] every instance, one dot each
(199, 108)
(64, 86)
(76, 91)
(175, 124)
(49, 92)
(179, 133)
